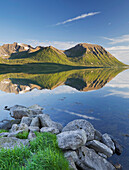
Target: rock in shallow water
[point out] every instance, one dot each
(89, 159)
(100, 147)
(71, 139)
(81, 124)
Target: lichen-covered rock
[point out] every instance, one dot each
(108, 141)
(100, 147)
(23, 127)
(81, 124)
(50, 129)
(71, 139)
(26, 120)
(34, 129)
(47, 122)
(35, 122)
(11, 142)
(89, 159)
(14, 128)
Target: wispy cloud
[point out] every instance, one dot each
(63, 45)
(78, 17)
(116, 40)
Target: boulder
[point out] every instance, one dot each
(23, 127)
(31, 135)
(81, 124)
(47, 122)
(50, 129)
(26, 120)
(100, 147)
(98, 135)
(35, 122)
(7, 124)
(18, 111)
(11, 142)
(71, 139)
(89, 160)
(35, 107)
(14, 128)
(72, 157)
(14, 134)
(108, 141)
(34, 129)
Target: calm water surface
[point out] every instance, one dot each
(101, 98)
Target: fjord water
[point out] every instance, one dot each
(99, 95)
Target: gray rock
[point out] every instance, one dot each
(35, 107)
(31, 135)
(71, 163)
(118, 147)
(102, 155)
(26, 120)
(23, 127)
(72, 154)
(35, 122)
(71, 139)
(4, 134)
(47, 122)
(98, 135)
(50, 129)
(11, 142)
(89, 159)
(19, 111)
(81, 124)
(14, 128)
(100, 147)
(34, 129)
(108, 141)
(7, 124)
(14, 134)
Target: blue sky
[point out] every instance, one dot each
(64, 23)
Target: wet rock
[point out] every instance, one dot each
(81, 124)
(23, 127)
(11, 142)
(26, 120)
(89, 159)
(118, 147)
(34, 128)
(50, 129)
(35, 122)
(108, 141)
(31, 135)
(71, 139)
(100, 147)
(98, 135)
(47, 122)
(7, 124)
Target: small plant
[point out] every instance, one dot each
(3, 130)
(23, 135)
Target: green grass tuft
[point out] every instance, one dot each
(23, 135)
(43, 153)
(3, 130)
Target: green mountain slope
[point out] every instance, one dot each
(81, 55)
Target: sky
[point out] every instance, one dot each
(65, 23)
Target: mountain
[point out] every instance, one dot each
(83, 54)
(82, 80)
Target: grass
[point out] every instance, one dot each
(3, 130)
(23, 135)
(42, 154)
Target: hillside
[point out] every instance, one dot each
(82, 54)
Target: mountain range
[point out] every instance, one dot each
(83, 54)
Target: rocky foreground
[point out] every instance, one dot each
(83, 146)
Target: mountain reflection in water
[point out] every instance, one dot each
(82, 80)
